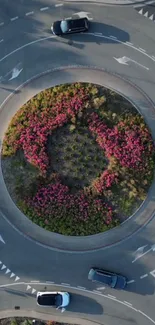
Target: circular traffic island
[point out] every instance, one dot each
(78, 159)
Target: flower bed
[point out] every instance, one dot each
(90, 154)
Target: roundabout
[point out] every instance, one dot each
(45, 63)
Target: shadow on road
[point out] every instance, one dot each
(82, 304)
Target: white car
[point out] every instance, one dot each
(59, 300)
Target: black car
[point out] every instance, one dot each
(70, 26)
(110, 279)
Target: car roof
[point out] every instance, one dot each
(102, 277)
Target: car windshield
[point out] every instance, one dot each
(114, 281)
(58, 301)
(64, 26)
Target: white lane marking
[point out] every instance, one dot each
(33, 291)
(101, 288)
(17, 278)
(44, 8)
(142, 49)
(153, 57)
(113, 297)
(7, 271)
(65, 284)
(14, 18)
(131, 281)
(26, 45)
(91, 292)
(111, 36)
(153, 246)
(12, 274)
(3, 267)
(153, 273)
(59, 5)
(146, 316)
(1, 239)
(29, 13)
(98, 33)
(54, 36)
(97, 291)
(28, 287)
(35, 281)
(81, 287)
(143, 276)
(128, 303)
(2, 23)
(129, 43)
(50, 282)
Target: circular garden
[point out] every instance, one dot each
(78, 159)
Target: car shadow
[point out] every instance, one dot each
(85, 305)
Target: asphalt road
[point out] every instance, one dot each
(26, 43)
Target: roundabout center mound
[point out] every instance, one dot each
(78, 159)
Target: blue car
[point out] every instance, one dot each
(107, 278)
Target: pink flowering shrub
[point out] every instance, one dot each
(130, 144)
(105, 181)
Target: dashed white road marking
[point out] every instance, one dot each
(2, 23)
(131, 281)
(50, 282)
(128, 303)
(65, 284)
(29, 13)
(14, 18)
(44, 8)
(83, 288)
(34, 281)
(59, 5)
(113, 297)
(143, 276)
(101, 288)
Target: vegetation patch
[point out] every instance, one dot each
(78, 159)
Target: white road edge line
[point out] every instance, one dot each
(129, 43)
(98, 33)
(111, 36)
(75, 288)
(142, 49)
(50, 282)
(29, 13)
(14, 18)
(111, 296)
(1, 40)
(65, 284)
(131, 281)
(143, 276)
(81, 287)
(44, 8)
(128, 303)
(59, 5)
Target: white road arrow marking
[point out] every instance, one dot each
(122, 60)
(3, 267)
(153, 273)
(15, 73)
(7, 271)
(125, 59)
(28, 287)
(12, 274)
(33, 290)
(17, 278)
(83, 14)
(149, 250)
(2, 240)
